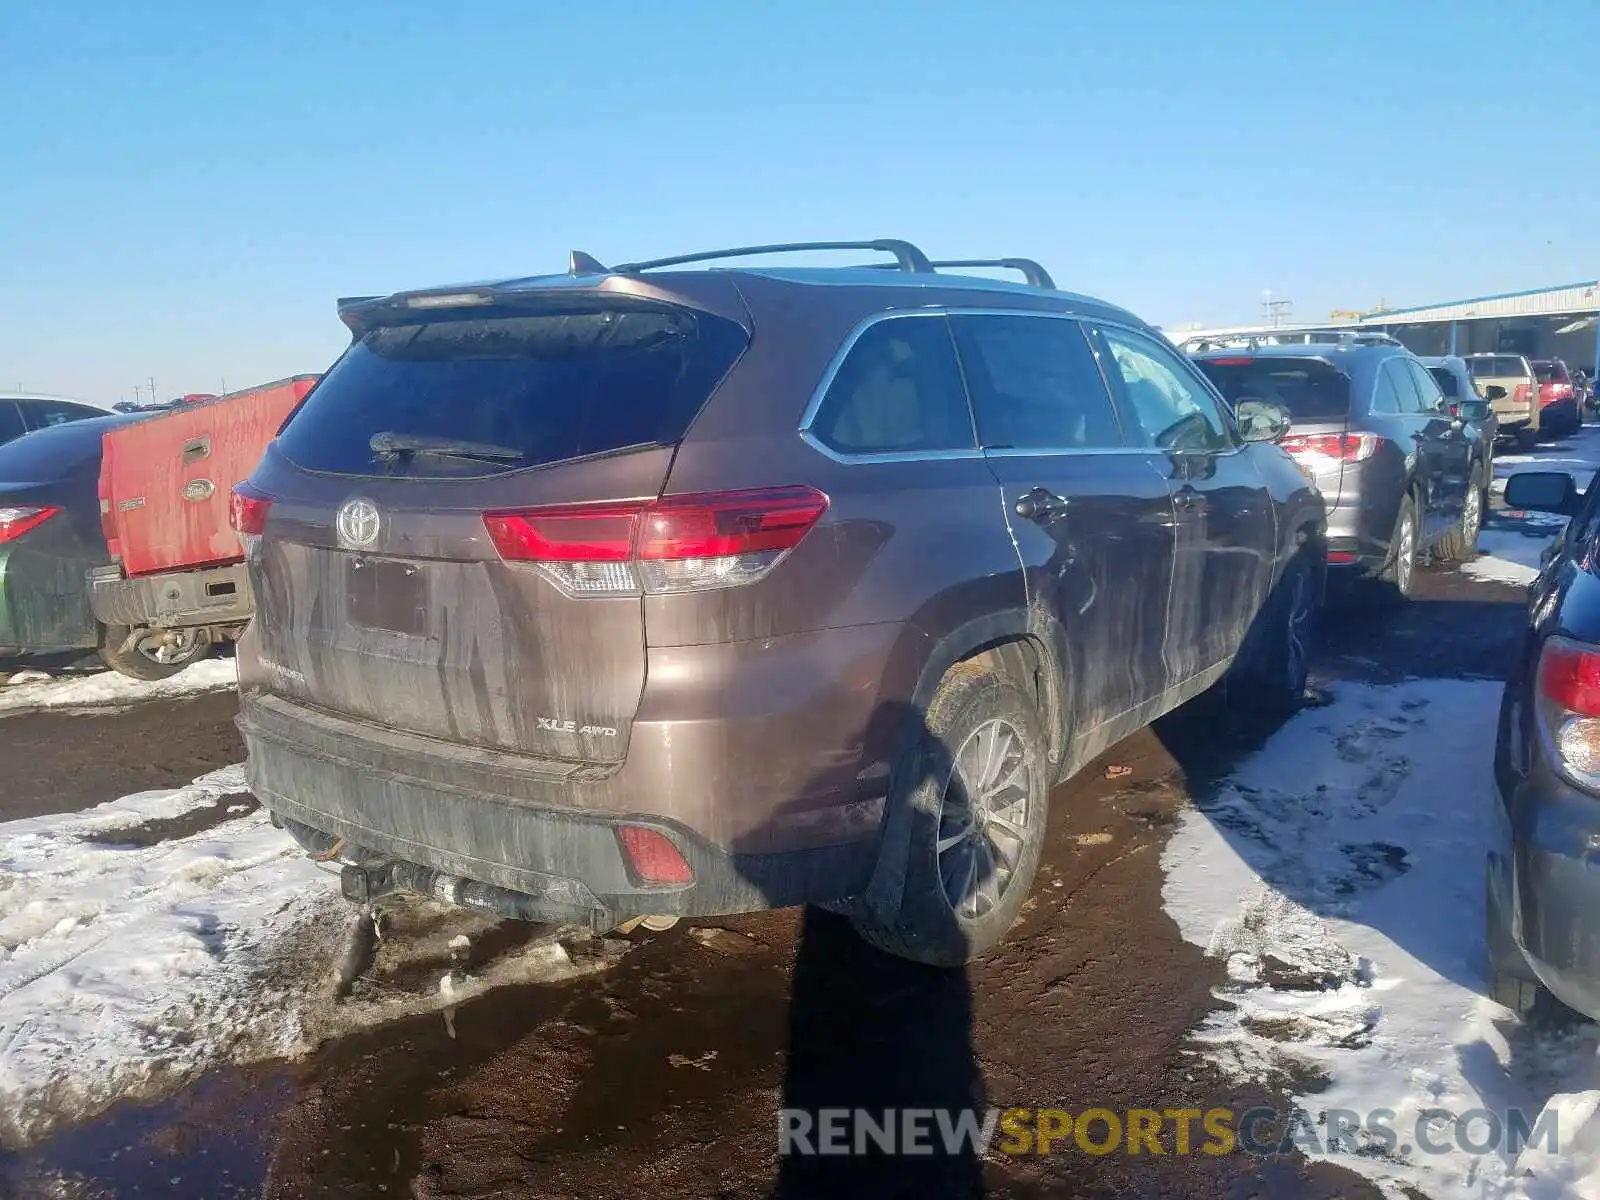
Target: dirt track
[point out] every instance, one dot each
(663, 1075)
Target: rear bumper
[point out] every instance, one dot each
(40, 607)
(1544, 877)
(768, 777)
(173, 599)
(566, 861)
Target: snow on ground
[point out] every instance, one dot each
(151, 938)
(127, 967)
(108, 689)
(1338, 874)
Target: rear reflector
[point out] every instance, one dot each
(247, 509)
(17, 520)
(674, 544)
(652, 858)
(1338, 447)
(1341, 557)
(1569, 674)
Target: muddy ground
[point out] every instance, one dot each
(662, 1076)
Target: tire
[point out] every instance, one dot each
(958, 904)
(1275, 662)
(1399, 571)
(137, 663)
(1527, 438)
(1461, 545)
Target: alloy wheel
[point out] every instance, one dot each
(983, 824)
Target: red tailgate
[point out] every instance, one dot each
(164, 481)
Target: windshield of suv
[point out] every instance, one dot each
(487, 394)
(1312, 390)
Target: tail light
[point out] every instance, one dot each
(247, 509)
(676, 544)
(1556, 391)
(1523, 393)
(16, 520)
(653, 859)
(1568, 706)
(1337, 447)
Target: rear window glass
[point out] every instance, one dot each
(1445, 378)
(1496, 366)
(1311, 390)
(1549, 372)
(490, 394)
(55, 453)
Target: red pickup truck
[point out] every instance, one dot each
(176, 583)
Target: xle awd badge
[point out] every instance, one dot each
(357, 524)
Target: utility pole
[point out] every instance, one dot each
(1274, 310)
(152, 389)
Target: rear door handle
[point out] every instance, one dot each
(1040, 505)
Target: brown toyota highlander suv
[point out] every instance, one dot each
(672, 591)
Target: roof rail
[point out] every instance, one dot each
(907, 257)
(1035, 274)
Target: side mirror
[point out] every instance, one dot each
(1543, 491)
(1261, 420)
(1494, 392)
(1472, 410)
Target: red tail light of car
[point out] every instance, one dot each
(248, 509)
(16, 520)
(1341, 447)
(675, 544)
(1568, 705)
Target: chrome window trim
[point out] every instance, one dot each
(945, 311)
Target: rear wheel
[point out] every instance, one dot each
(153, 654)
(975, 784)
(1462, 543)
(1401, 568)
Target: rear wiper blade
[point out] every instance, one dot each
(393, 445)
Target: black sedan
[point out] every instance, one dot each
(1544, 872)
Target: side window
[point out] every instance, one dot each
(899, 390)
(1405, 387)
(1427, 387)
(43, 414)
(1165, 402)
(1385, 398)
(11, 426)
(1035, 384)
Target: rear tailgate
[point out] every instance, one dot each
(380, 592)
(165, 481)
(1314, 391)
(1500, 371)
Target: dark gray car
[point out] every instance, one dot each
(1402, 476)
(681, 592)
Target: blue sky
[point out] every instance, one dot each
(187, 187)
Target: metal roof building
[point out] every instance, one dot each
(1539, 302)
(1554, 322)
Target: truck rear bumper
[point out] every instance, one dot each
(173, 599)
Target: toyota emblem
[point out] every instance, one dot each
(358, 524)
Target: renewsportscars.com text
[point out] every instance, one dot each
(1212, 1131)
